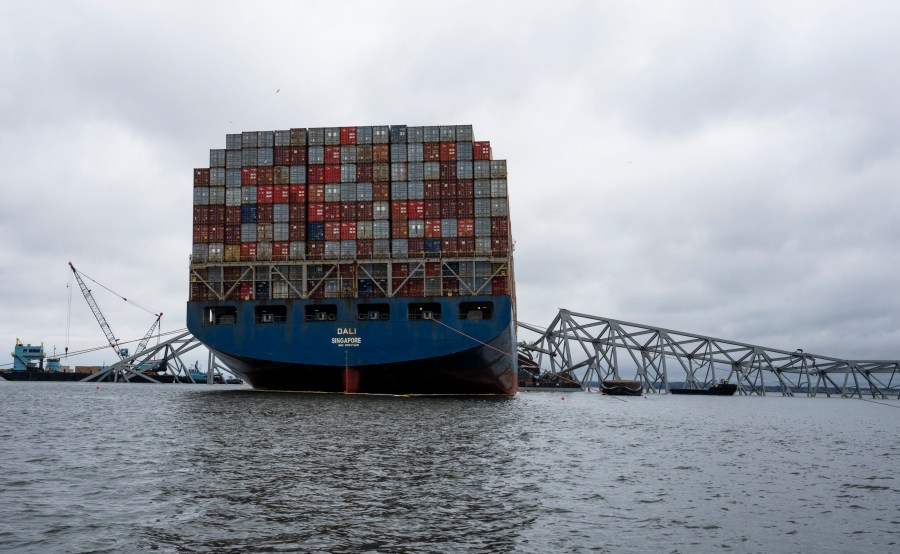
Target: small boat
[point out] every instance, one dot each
(621, 387)
(722, 388)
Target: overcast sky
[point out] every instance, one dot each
(724, 168)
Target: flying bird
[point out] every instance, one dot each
(277, 91)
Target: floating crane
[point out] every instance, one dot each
(122, 353)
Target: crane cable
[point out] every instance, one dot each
(132, 302)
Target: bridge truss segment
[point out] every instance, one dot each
(591, 349)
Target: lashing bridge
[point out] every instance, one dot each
(589, 349)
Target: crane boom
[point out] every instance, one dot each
(113, 342)
(143, 344)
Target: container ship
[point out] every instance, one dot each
(366, 259)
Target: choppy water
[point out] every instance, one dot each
(181, 468)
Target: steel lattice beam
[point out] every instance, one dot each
(587, 348)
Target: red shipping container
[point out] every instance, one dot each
(448, 190)
(449, 247)
(297, 194)
(232, 234)
(381, 191)
(232, 215)
(217, 214)
(248, 251)
(280, 250)
(432, 228)
(449, 208)
(348, 230)
(416, 248)
(399, 270)
(201, 215)
(282, 155)
(315, 250)
(297, 156)
(315, 193)
(431, 151)
(265, 194)
(332, 211)
(348, 135)
(217, 233)
(500, 285)
(432, 269)
(201, 234)
(232, 273)
(297, 213)
(415, 209)
(399, 228)
(466, 246)
(433, 209)
(364, 248)
(281, 194)
(432, 190)
(265, 176)
(201, 177)
(315, 174)
(364, 153)
(398, 210)
(364, 211)
(465, 188)
(297, 231)
(246, 288)
(315, 211)
(448, 170)
(265, 213)
(363, 173)
(332, 173)
(465, 228)
(248, 176)
(332, 155)
(500, 246)
(332, 230)
(416, 287)
(348, 212)
(380, 153)
(448, 151)
(466, 207)
(481, 150)
(451, 285)
(499, 226)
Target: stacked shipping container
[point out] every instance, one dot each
(351, 211)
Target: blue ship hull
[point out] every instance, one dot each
(397, 355)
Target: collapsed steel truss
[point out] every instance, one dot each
(587, 348)
(158, 359)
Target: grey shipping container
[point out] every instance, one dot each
(415, 134)
(381, 210)
(464, 170)
(381, 248)
(248, 195)
(399, 190)
(482, 188)
(298, 175)
(281, 214)
(499, 207)
(464, 151)
(432, 133)
(348, 154)
(400, 248)
(449, 228)
(332, 249)
(249, 139)
(415, 171)
(248, 232)
(265, 157)
(415, 152)
(232, 177)
(316, 136)
(448, 133)
(482, 207)
(364, 230)
(316, 155)
(348, 192)
(398, 152)
(263, 252)
(297, 251)
(233, 141)
(264, 232)
(216, 254)
(483, 227)
(432, 171)
(280, 231)
(249, 156)
(233, 197)
(217, 176)
(217, 196)
(348, 249)
(200, 253)
(498, 188)
(283, 138)
(416, 190)
(416, 228)
(265, 139)
(332, 192)
(464, 133)
(364, 135)
(380, 134)
(482, 169)
(298, 137)
(381, 229)
(364, 192)
(498, 169)
(217, 158)
(348, 173)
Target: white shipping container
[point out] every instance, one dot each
(381, 210)
(364, 230)
(416, 228)
(216, 254)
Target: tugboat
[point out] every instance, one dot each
(722, 388)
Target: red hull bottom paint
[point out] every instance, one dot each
(351, 380)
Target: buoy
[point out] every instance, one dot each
(562, 397)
